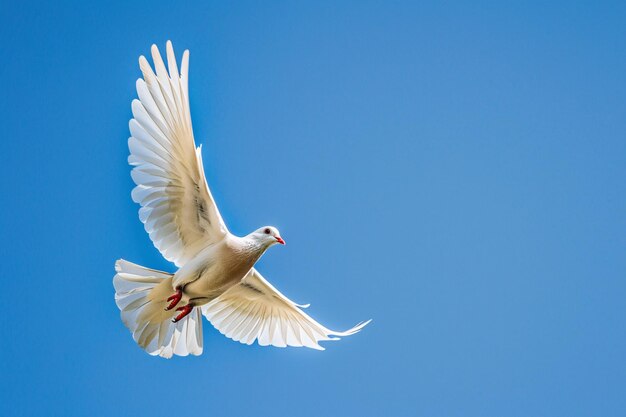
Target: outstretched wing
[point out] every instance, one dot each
(177, 208)
(255, 310)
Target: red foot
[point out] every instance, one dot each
(184, 310)
(174, 298)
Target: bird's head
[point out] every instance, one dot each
(268, 235)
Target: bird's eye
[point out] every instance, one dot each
(267, 231)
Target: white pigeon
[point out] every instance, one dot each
(216, 275)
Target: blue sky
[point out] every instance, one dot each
(453, 171)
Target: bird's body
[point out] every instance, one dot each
(216, 275)
(217, 267)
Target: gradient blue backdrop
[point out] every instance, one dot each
(457, 173)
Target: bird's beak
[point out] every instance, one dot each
(280, 240)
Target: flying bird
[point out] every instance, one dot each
(216, 275)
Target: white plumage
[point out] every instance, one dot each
(216, 274)
(132, 285)
(255, 310)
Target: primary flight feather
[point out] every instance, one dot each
(216, 275)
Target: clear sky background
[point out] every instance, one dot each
(454, 172)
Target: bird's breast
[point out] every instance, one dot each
(219, 271)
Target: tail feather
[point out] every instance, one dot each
(140, 294)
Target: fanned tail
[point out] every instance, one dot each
(140, 294)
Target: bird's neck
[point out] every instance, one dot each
(249, 247)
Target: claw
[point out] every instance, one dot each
(184, 310)
(174, 298)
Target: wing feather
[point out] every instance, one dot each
(255, 310)
(177, 208)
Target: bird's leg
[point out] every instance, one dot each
(184, 311)
(174, 298)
